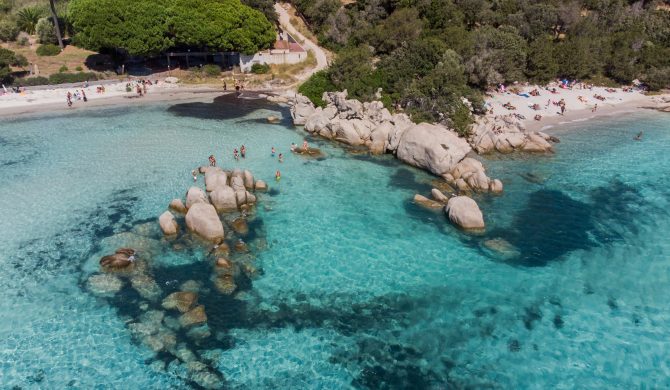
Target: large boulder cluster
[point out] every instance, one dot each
(225, 191)
(507, 134)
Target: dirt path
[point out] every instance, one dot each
(319, 53)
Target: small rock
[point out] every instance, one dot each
(180, 300)
(177, 206)
(240, 226)
(104, 284)
(146, 287)
(273, 119)
(225, 283)
(439, 196)
(241, 246)
(261, 186)
(168, 224)
(190, 285)
(496, 186)
(464, 212)
(427, 203)
(195, 316)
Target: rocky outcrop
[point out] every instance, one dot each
(507, 134)
(439, 196)
(261, 186)
(168, 224)
(195, 195)
(469, 175)
(223, 199)
(432, 147)
(301, 109)
(203, 220)
(215, 178)
(248, 180)
(195, 316)
(464, 212)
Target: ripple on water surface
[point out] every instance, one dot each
(357, 287)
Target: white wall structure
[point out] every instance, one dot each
(285, 51)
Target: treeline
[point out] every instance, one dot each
(427, 55)
(143, 27)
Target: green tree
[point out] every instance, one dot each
(46, 32)
(140, 27)
(8, 29)
(224, 25)
(267, 7)
(500, 56)
(315, 86)
(542, 65)
(8, 59)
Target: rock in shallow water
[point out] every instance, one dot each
(180, 300)
(168, 224)
(427, 203)
(464, 212)
(195, 316)
(104, 284)
(204, 221)
(177, 206)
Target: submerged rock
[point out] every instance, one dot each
(261, 186)
(146, 287)
(240, 226)
(194, 316)
(180, 300)
(203, 220)
(225, 283)
(502, 248)
(104, 284)
(464, 212)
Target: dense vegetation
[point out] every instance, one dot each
(144, 27)
(428, 54)
(8, 59)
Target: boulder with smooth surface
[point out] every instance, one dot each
(465, 213)
(203, 220)
(195, 195)
(168, 224)
(432, 147)
(223, 199)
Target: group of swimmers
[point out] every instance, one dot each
(243, 153)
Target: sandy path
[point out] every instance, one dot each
(319, 53)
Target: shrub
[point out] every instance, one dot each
(212, 70)
(28, 18)
(60, 78)
(657, 78)
(63, 69)
(48, 50)
(260, 68)
(46, 31)
(23, 39)
(315, 86)
(8, 30)
(79, 69)
(32, 81)
(5, 5)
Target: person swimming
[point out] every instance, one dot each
(278, 175)
(236, 156)
(293, 146)
(273, 151)
(281, 157)
(638, 137)
(243, 152)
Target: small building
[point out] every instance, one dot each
(286, 50)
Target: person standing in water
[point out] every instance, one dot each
(273, 151)
(293, 146)
(235, 155)
(277, 175)
(243, 152)
(281, 158)
(305, 145)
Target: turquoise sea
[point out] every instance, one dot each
(353, 285)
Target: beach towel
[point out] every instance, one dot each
(524, 95)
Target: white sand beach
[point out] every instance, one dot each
(580, 104)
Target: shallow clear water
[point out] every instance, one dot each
(357, 288)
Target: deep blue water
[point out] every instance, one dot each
(347, 284)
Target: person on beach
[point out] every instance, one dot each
(225, 86)
(273, 151)
(281, 158)
(243, 152)
(83, 95)
(277, 175)
(595, 108)
(69, 99)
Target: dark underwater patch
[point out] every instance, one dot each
(228, 106)
(406, 179)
